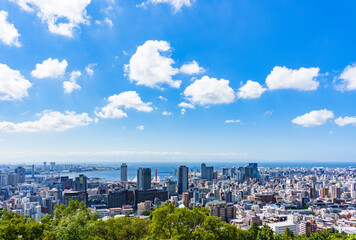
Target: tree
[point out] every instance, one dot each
(253, 230)
(265, 233)
(288, 234)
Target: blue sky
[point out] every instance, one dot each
(89, 80)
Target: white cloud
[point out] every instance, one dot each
(49, 121)
(348, 77)
(232, 121)
(176, 4)
(268, 113)
(208, 91)
(13, 85)
(346, 121)
(314, 118)
(8, 33)
(163, 98)
(89, 69)
(186, 105)
(50, 68)
(106, 21)
(71, 85)
(127, 100)
(165, 113)
(149, 68)
(192, 68)
(141, 128)
(301, 79)
(251, 90)
(62, 17)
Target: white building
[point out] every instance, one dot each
(280, 227)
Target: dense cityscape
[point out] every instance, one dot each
(303, 200)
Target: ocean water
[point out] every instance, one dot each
(165, 169)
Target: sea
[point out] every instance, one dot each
(168, 169)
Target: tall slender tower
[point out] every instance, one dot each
(203, 171)
(182, 179)
(124, 172)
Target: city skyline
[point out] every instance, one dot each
(200, 81)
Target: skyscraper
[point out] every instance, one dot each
(182, 179)
(21, 173)
(248, 172)
(203, 171)
(144, 179)
(255, 169)
(33, 170)
(209, 173)
(52, 165)
(124, 172)
(80, 183)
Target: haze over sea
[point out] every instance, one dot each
(167, 169)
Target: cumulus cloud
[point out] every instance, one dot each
(89, 69)
(141, 128)
(163, 98)
(186, 105)
(314, 118)
(165, 113)
(176, 4)
(148, 67)
(105, 21)
(302, 79)
(49, 121)
(343, 121)
(71, 85)
(8, 33)
(13, 86)
(50, 68)
(232, 121)
(62, 17)
(126, 100)
(207, 91)
(348, 78)
(191, 68)
(251, 90)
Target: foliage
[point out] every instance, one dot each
(76, 222)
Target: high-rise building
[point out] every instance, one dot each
(124, 172)
(171, 186)
(144, 179)
(196, 196)
(21, 174)
(52, 165)
(203, 171)
(222, 209)
(353, 190)
(3, 180)
(76, 196)
(307, 228)
(324, 192)
(117, 198)
(33, 170)
(255, 169)
(210, 173)
(182, 179)
(185, 197)
(248, 172)
(12, 179)
(335, 192)
(81, 183)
